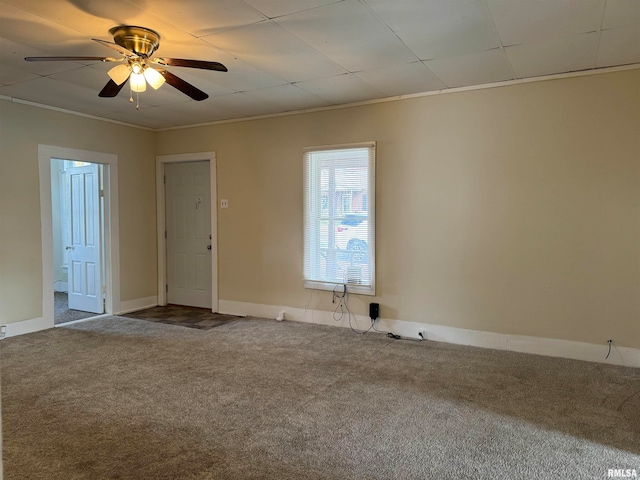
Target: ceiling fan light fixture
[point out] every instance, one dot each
(120, 73)
(136, 45)
(154, 78)
(138, 83)
(136, 67)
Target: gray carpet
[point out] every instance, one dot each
(62, 313)
(117, 398)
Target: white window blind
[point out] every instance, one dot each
(339, 217)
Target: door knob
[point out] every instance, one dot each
(68, 247)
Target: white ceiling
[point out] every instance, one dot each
(287, 55)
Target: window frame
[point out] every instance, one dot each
(309, 189)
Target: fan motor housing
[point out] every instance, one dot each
(140, 40)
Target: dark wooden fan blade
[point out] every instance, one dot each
(183, 86)
(111, 89)
(116, 47)
(70, 59)
(181, 62)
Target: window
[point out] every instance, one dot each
(339, 217)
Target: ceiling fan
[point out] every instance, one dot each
(137, 45)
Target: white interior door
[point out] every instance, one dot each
(188, 224)
(85, 265)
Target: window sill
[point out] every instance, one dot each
(351, 288)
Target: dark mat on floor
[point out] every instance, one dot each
(192, 317)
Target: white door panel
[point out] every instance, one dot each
(85, 272)
(188, 222)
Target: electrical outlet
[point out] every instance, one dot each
(3, 331)
(224, 203)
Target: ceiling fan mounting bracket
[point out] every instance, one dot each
(142, 41)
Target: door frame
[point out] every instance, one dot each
(161, 161)
(111, 235)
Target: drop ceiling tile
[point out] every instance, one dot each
(151, 117)
(82, 20)
(526, 21)
(276, 51)
(341, 89)
(202, 17)
(476, 69)
(205, 80)
(224, 107)
(12, 57)
(287, 98)
(273, 9)
(10, 75)
(165, 116)
(554, 56)
(88, 77)
(439, 28)
(240, 77)
(619, 13)
(24, 28)
(239, 105)
(87, 18)
(350, 34)
(48, 91)
(402, 79)
(619, 46)
(165, 95)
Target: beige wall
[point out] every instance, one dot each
(22, 128)
(513, 210)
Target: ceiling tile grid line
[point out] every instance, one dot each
(366, 3)
(493, 24)
(597, 45)
(349, 34)
(282, 42)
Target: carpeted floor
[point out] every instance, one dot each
(62, 313)
(118, 398)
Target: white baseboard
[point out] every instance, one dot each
(34, 325)
(27, 326)
(628, 357)
(137, 304)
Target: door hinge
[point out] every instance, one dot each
(101, 193)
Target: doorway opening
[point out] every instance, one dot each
(187, 269)
(78, 213)
(80, 254)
